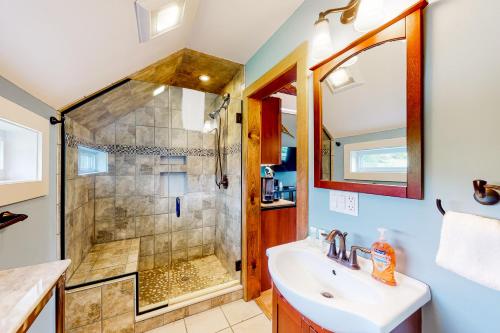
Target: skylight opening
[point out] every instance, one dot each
(156, 17)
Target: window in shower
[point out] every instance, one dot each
(91, 161)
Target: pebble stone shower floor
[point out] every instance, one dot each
(163, 283)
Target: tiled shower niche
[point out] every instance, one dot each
(156, 210)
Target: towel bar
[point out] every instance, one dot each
(440, 207)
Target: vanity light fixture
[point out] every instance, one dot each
(204, 78)
(370, 15)
(366, 15)
(156, 17)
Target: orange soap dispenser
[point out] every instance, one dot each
(384, 260)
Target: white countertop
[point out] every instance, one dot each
(22, 288)
(281, 203)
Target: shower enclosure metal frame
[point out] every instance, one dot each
(63, 201)
(61, 121)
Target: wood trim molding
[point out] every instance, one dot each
(59, 291)
(407, 26)
(292, 67)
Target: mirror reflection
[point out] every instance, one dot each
(364, 118)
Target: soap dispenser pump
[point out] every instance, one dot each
(384, 260)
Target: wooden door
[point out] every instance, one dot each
(278, 226)
(270, 142)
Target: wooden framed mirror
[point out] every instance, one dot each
(368, 112)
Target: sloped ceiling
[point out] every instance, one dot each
(60, 51)
(184, 67)
(180, 69)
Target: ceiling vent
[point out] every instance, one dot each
(156, 17)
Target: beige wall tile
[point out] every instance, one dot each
(120, 324)
(117, 298)
(149, 324)
(175, 315)
(83, 308)
(92, 328)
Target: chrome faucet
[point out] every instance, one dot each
(340, 255)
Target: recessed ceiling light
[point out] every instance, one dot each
(158, 90)
(204, 78)
(155, 17)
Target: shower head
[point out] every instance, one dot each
(224, 105)
(213, 114)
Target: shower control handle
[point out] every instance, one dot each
(178, 207)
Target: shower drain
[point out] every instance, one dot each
(185, 278)
(326, 294)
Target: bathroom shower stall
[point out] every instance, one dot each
(143, 162)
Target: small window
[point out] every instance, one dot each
(24, 153)
(382, 160)
(91, 161)
(20, 157)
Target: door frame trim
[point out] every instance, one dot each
(291, 68)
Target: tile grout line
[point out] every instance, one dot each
(247, 319)
(225, 317)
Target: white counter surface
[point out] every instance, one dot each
(21, 289)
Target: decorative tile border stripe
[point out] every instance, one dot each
(233, 149)
(72, 141)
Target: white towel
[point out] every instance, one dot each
(470, 247)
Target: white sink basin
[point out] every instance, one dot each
(360, 304)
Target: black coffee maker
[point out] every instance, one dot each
(267, 188)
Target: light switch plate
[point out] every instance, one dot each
(344, 202)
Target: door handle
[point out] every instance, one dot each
(178, 207)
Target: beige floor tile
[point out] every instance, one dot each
(259, 324)
(210, 321)
(175, 327)
(226, 330)
(240, 310)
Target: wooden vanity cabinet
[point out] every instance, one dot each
(286, 319)
(270, 138)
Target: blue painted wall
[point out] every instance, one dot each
(462, 114)
(34, 240)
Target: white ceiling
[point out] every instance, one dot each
(379, 103)
(60, 51)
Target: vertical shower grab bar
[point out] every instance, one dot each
(178, 207)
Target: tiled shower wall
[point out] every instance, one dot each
(228, 233)
(79, 207)
(136, 197)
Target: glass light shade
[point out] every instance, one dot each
(322, 46)
(370, 15)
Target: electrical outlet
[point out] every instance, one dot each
(344, 202)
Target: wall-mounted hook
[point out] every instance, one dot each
(55, 121)
(486, 194)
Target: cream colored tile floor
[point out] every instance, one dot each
(106, 260)
(236, 317)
